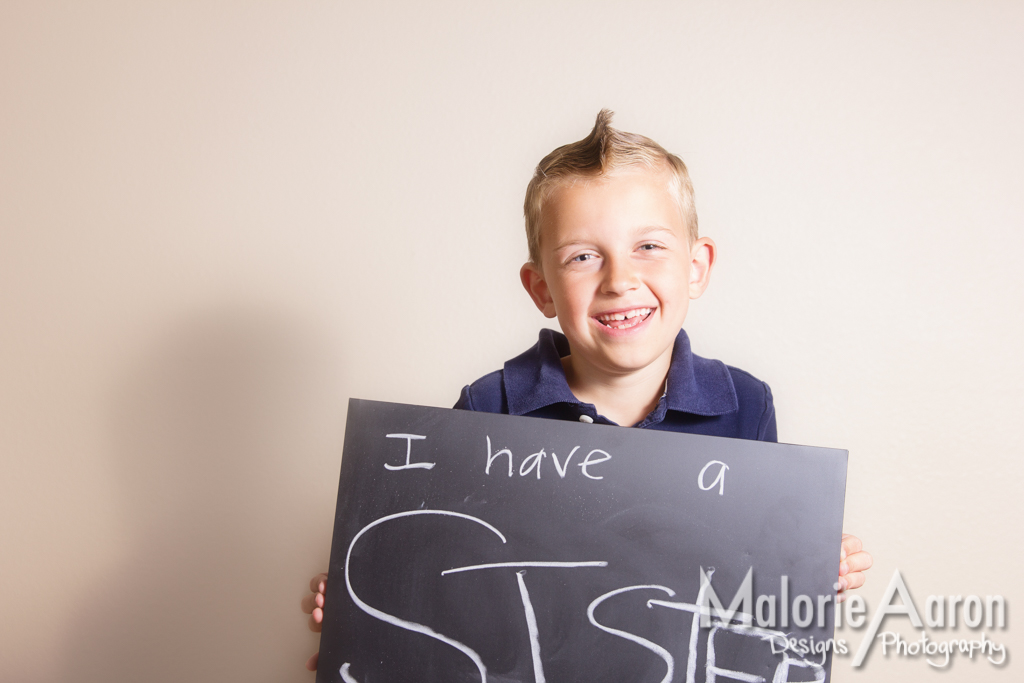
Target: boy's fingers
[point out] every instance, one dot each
(851, 545)
(312, 601)
(854, 580)
(851, 572)
(859, 562)
(316, 581)
(311, 664)
(315, 620)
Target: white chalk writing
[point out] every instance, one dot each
(409, 465)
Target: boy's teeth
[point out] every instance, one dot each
(628, 314)
(636, 316)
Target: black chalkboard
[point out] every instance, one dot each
(605, 541)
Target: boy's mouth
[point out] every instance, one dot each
(623, 320)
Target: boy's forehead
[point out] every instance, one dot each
(624, 174)
(627, 200)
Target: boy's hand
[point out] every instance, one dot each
(853, 562)
(313, 605)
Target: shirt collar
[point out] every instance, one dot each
(535, 379)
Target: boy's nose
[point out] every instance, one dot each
(620, 277)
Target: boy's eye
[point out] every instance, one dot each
(650, 247)
(582, 257)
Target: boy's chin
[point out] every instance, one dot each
(627, 363)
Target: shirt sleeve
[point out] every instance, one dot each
(766, 428)
(464, 402)
(486, 395)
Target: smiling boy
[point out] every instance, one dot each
(616, 258)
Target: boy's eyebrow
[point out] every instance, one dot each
(640, 231)
(648, 229)
(570, 243)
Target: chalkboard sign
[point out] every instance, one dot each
(479, 547)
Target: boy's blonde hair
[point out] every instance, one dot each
(603, 151)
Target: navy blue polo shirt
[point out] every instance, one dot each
(702, 396)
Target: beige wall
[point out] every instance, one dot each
(219, 221)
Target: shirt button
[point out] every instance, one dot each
(587, 419)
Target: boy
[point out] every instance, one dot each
(615, 256)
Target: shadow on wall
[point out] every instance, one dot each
(218, 436)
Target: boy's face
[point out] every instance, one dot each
(617, 270)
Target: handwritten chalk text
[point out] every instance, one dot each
(533, 463)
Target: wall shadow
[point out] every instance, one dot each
(217, 435)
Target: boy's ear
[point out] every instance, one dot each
(702, 259)
(533, 281)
